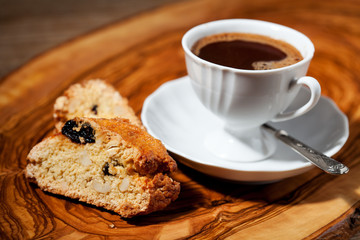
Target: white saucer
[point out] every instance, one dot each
(174, 115)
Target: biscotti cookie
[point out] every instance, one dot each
(109, 163)
(94, 99)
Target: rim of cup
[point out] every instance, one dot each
(207, 29)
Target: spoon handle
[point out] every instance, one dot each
(323, 162)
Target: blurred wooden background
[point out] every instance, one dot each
(28, 28)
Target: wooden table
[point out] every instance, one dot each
(139, 54)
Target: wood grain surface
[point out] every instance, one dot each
(139, 54)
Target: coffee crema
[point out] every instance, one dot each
(246, 51)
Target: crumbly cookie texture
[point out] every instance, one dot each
(109, 163)
(92, 98)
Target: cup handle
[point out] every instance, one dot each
(315, 91)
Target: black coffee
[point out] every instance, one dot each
(246, 51)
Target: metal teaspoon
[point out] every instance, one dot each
(323, 162)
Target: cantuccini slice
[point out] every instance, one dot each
(109, 163)
(95, 99)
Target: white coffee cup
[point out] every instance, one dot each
(246, 99)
